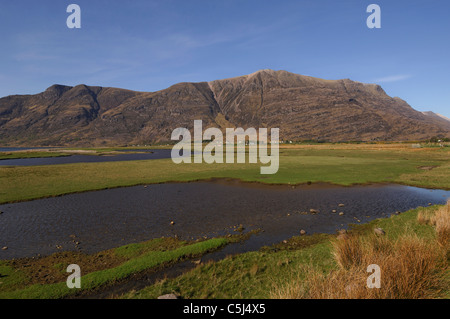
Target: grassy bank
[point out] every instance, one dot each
(30, 154)
(62, 152)
(414, 265)
(44, 278)
(338, 164)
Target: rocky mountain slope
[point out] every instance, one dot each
(302, 107)
(444, 121)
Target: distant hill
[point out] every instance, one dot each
(303, 107)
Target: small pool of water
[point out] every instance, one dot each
(148, 154)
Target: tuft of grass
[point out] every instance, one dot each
(348, 251)
(411, 268)
(440, 219)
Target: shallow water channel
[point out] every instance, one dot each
(104, 219)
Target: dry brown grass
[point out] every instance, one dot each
(348, 251)
(442, 222)
(411, 268)
(440, 219)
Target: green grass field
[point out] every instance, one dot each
(337, 164)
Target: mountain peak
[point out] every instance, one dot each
(270, 71)
(58, 87)
(56, 90)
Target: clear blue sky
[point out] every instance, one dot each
(150, 45)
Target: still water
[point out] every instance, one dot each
(105, 219)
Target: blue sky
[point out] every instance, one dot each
(150, 45)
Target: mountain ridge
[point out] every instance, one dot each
(303, 107)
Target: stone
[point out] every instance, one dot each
(334, 211)
(341, 205)
(379, 231)
(302, 232)
(341, 213)
(172, 223)
(313, 211)
(4, 248)
(169, 296)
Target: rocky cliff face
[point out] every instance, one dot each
(302, 107)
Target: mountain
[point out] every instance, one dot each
(303, 107)
(444, 121)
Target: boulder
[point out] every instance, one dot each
(302, 232)
(379, 231)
